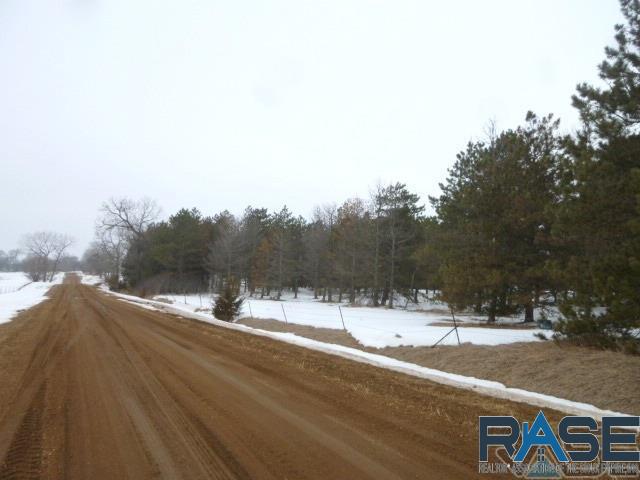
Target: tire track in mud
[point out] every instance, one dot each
(23, 458)
(141, 387)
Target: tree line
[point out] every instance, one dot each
(359, 249)
(526, 218)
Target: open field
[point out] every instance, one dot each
(97, 388)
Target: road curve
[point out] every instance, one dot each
(92, 387)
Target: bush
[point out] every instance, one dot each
(228, 304)
(606, 331)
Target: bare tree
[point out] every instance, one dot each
(39, 248)
(13, 259)
(61, 244)
(121, 222)
(111, 245)
(127, 215)
(44, 252)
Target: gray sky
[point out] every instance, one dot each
(223, 104)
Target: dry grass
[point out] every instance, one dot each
(606, 379)
(497, 326)
(328, 335)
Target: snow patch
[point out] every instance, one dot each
(372, 327)
(18, 292)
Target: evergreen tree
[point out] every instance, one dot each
(599, 215)
(352, 245)
(223, 259)
(229, 302)
(401, 214)
(252, 231)
(495, 219)
(614, 111)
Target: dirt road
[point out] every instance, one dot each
(92, 387)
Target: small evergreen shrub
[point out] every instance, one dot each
(606, 331)
(228, 304)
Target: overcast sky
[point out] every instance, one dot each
(223, 104)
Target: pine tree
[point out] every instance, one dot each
(614, 111)
(229, 302)
(599, 216)
(495, 220)
(401, 215)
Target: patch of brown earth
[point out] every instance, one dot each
(497, 326)
(327, 335)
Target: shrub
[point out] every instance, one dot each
(228, 304)
(606, 330)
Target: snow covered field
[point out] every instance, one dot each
(18, 293)
(373, 327)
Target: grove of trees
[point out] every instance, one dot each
(526, 218)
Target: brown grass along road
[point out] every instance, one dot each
(95, 388)
(606, 379)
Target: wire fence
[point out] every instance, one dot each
(12, 289)
(399, 323)
(4, 290)
(349, 319)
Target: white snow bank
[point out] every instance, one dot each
(18, 293)
(486, 387)
(373, 327)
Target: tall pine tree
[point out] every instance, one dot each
(599, 216)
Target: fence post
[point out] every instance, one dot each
(285, 314)
(342, 318)
(455, 328)
(250, 312)
(455, 325)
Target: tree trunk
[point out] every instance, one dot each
(352, 293)
(316, 267)
(385, 296)
(528, 312)
(376, 287)
(392, 268)
(280, 267)
(493, 304)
